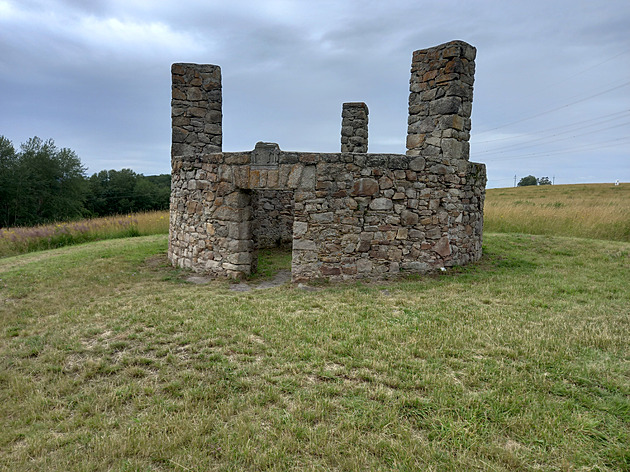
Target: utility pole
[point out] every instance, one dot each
(553, 180)
(515, 180)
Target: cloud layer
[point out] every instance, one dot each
(552, 90)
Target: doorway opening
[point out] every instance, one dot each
(272, 230)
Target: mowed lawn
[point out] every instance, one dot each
(110, 360)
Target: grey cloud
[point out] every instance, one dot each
(287, 69)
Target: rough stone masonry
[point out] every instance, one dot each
(345, 215)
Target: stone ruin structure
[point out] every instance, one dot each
(345, 215)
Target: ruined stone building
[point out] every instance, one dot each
(345, 215)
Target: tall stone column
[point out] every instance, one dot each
(196, 109)
(440, 101)
(354, 127)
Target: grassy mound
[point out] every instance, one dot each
(110, 360)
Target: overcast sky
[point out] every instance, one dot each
(551, 98)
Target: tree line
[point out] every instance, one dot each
(41, 183)
(531, 180)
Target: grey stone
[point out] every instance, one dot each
(417, 164)
(346, 215)
(381, 204)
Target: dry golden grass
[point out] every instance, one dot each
(599, 211)
(20, 240)
(152, 222)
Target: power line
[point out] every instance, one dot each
(557, 108)
(590, 67)
(599, 145)
(597, 120)
(536, 142)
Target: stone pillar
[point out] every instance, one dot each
(196, 109)
(354, 127)
(440, 102)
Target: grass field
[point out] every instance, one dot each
(600, 211)
(110, 360)
(22, 240)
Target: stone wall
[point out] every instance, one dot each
(354, 215)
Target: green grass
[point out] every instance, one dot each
(109, 360)
(270, 261)
(600, 211)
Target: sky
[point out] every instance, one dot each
(551, 93)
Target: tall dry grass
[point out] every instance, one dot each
(20, 240)
(599, 211)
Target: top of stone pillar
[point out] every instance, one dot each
(361, 105)
(196, 109)
(455, 48)
(440, 101)
(354, 127)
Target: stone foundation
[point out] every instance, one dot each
(346, 215)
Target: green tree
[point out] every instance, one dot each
(111, 192)
(529, 180)
(123, 191)
(544, 181)
(8, 184)
(44, 183)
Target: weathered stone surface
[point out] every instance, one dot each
(442, 247)
(346, 215)
(365, 187)
(381, 204)
(408, 218)
(304, 245)
(265, 155)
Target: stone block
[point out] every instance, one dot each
(365, 187)
(414, 266)
(381, 204)
(364, 265)
(293, 178)
(304, 245)
(241, 177)
(408, 218)
(442, 247)
(326, 217)
(417, 164)
(299, 228)
(308, 178)
(328, 270)
(239, 230)
(239, 258)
